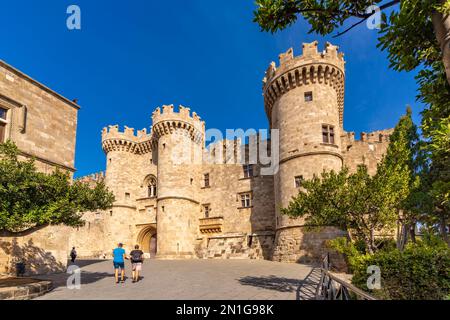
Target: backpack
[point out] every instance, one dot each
(136, 256)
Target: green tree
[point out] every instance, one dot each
(405, 152)
(30, 199)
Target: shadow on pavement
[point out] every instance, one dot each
(308, 287)
(272, 283)
(84, 263)
(305, 289)
(87, 277)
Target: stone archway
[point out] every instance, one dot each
(147, 240)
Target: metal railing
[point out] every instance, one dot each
(331, 287)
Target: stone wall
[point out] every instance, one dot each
(239, 246)
(43, 251)
(41, 122)
(369, 150)
(43, 125)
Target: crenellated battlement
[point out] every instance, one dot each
(127, 140)
(379, 136)
(93, 178)
(312, 67)
(167, 121)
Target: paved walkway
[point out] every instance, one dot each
(193, 280)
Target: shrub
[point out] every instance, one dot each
(420, 272)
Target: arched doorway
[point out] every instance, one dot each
(147, 241)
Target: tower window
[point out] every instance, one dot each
(207, 210)
(127, 196)
(328, 133)
(246, 200)
(206, 180)
(298, 181)
(308, 96)
(248, 171)
(3, 124)
(151, 187)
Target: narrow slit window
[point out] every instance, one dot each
(207, 210)
(298, 181)
(308, 96)
(206, 180)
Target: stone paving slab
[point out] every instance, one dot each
(23, 288)
(191, 280)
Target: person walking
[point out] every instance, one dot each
(73, 255)
(137, 258)
(119, 257)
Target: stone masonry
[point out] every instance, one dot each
(176, 196)
(194, 208)
(43, 125)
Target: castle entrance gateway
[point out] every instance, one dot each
(147, 240)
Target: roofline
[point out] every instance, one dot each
(38, 84)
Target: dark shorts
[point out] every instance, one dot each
(119, 265)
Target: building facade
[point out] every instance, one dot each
(178, 198)
(43, 125)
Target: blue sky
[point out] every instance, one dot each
(133, 56)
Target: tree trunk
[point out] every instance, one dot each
(443, 228)
(372, 242)
(403, 236)
(399, 235)
(412, 232)
(441, 24)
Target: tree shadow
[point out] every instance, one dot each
(305, 289)
(61, 279)
(84, 262)
(272, 282)
(37, 260)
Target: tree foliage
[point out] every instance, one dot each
(30, 199)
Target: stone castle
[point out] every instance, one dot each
(228, 209)
(220, 209)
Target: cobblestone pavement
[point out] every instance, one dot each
(193, 280)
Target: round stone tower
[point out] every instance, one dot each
(122, 149)
(304, 100)
(180, 139)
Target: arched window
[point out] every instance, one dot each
(151, 185)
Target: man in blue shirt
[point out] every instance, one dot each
(119, 262)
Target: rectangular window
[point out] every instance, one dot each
(248, 171)
(3, 124)
(308, 96)
(206, 180)
(298, 181)
(328, 134)
(207, 210)
(246, 200)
